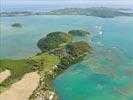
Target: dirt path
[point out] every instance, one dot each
(4, 75)
(22, 89)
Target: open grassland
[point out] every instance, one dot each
(44, 62)
(47, 61)
(17, 67)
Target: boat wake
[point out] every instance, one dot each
(99, 30)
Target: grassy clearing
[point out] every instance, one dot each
(20, 67)
(17, 67)
(48, 61)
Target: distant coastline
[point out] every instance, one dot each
(102, 12)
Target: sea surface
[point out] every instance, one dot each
(106, 74)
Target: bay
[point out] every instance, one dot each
(105, 74)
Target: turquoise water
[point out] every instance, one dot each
(107, 74)
(104, 75)
(21, 42)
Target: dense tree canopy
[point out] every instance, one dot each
(78, 33)
(53, 40)
(74, 53)
(16, 25)
(78, 48)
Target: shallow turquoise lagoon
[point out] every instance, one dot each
(107, 74)
(21, 42)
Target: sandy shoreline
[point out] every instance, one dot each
(22, 89)
(4, 75)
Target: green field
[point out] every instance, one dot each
(48, 61)
(17, 67)
(20, 67)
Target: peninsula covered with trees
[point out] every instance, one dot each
(58, 52)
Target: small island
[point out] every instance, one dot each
(58, 52)
(78, 33)
(18, 25)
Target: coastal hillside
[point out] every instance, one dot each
(103, 12)
(53, 40)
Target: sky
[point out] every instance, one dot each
(71, 3)
(111, 2)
